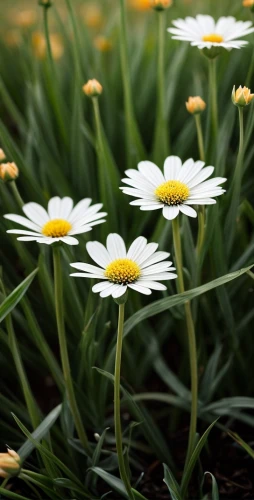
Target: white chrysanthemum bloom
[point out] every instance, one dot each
(204, 32)
(59, 223)
(139, 268)
(181, 185)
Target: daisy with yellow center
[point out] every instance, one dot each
(205, 33)
(139, 268)
(180, 186)
(59, 223)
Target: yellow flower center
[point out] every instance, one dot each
(122, 271)
(172, 192)
(56, 228)
(213, 37)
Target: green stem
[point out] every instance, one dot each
(201, 147)
(191, 342)
(213, 99)
(133, 140)
(47, 37)
(161, 132)
(235, 191)
(16, 194)
(117, 403)
(63, 349)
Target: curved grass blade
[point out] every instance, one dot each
(172, 484)
(13, 299)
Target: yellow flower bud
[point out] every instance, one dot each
(45, 3)
(9, 464)
(248, 3)
(2, 155)
(8, 171)
(140, 5)
(242, 96)
(161, 4)
(92, 88)
(195, 105)
(102, 43)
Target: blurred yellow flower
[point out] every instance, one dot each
(12, 38)
(102, 43)
(195, 105)
(92, 88)
(9, 464)
(160, 4)
(242, 96)
(2, 155)
(248, 3)
(92, 15)
(23, 18)
(40, 47)
(8, 172)
(140, 5)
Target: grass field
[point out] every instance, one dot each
(173, 416)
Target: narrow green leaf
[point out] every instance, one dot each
(215, 490)
(39, 433)
(10, 494)
(171, 483)
(13, 299)
(112, 481)
(224, 405)
(242, 443)
(193, 459)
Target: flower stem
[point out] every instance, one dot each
(235, 191)
(200, 137)
(47, 37)
(117, 403)
(191, 341)
(64, 351)
(213, 98)
(134, 146)
(16, 194)
(161, 132)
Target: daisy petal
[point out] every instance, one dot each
(36, 213)
(140, 289)
(116, 246)
(151, 172)
(172, 166)
(98, 253)
(185, 209)
(137, 247)
(23, 221)
(170, 212)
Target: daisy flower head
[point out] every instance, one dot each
(60, 222)
(139, 268)
(180, 186)
(211, 36)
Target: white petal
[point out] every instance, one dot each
(23, 221)
(156, 268)
(101, 286)
(109, 291)
(36, 213)
(79, 210)
(69, 240)
(26, 238)
(157, 257)
(201, 176)
(204, 201)
(170, 212)
(161, 276)
(140, 289)
(151, 172)
(189, 170)
(82, 266)
(185, 209)
(54, 205)
(98, 253)
(65, 207)
(118, 292)
(154, 285)
(151, 207)
(23, 231)
(137, 247)
(116, 246)
(172, 166)
(80, 230)
(86, 275)
(146, 254)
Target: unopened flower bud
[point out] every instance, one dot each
(2, 155)
(242, 96)
(45, 3)
(195, 105)
(9, 464)
(8, 171)
(92, 88)
(161, 4)
(102, 43)
(249, 3)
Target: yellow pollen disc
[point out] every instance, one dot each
(56, 228)
(213, 37)
(122, 271)
(172, 192)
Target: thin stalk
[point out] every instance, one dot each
(201, 147)
(161, 129)
(133, 139)
(76, 44)
(63, 349)
(47, 37)
(16, 194)
(191, 341)
(235, 191)
(213, 99)
(117, 403)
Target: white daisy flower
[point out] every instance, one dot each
(204, 32)
(138, 269)
(181, 185)
(60, 223)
